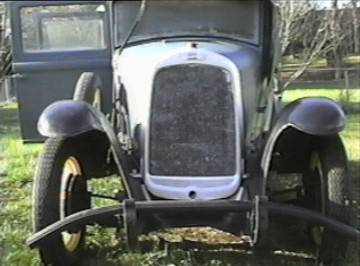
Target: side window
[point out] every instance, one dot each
(63, 28)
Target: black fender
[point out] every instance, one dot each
(69, 118)
(311, 116)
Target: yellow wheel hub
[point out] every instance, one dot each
(97, 100)
(71, 170)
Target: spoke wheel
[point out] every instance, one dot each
(60, 189)
(88, 89)
(316, 189)
(326, 187)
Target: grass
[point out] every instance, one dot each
(291, 62)
(335, 94)
(17, 163)
(353, 60)
(349, 99)
(16, 170)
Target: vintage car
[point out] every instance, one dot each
(179, 99)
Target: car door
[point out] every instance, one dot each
(53, 43)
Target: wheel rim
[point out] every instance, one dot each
(315, 165)
(71, 171)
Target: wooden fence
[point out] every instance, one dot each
(350, 78)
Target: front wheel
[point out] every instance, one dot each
(326, 186)
(60, 189)
(88, 89)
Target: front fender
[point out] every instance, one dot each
(313, 116)
(67, 118)
(71, 118)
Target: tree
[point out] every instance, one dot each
(334, 56)
(318, 31)
(356, 24)
(292, 13)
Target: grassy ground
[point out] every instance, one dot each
(349, 99)
(335, 94)
(17, 162)
(353, 60)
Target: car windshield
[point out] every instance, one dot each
(199, 18)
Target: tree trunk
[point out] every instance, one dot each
(334, 59)
(337, 49)
(355, 27)
(330, 59)
(338, 63)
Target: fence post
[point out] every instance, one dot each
(347, 85)
(346, 77)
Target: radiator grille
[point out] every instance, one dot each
(192, 130)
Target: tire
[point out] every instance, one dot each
(122, 120)
(326, 186)
(59, 190)
(88, 89)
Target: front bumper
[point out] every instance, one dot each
(101, 215)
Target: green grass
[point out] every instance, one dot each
(16, 170)
(348, 99)
(17, 164)
(353, 60)
(335, 94)
(291, 62)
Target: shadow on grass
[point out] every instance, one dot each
(287, 248)
(186, 254)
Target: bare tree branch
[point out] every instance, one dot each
(319, 31)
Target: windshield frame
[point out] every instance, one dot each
(256, 41)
